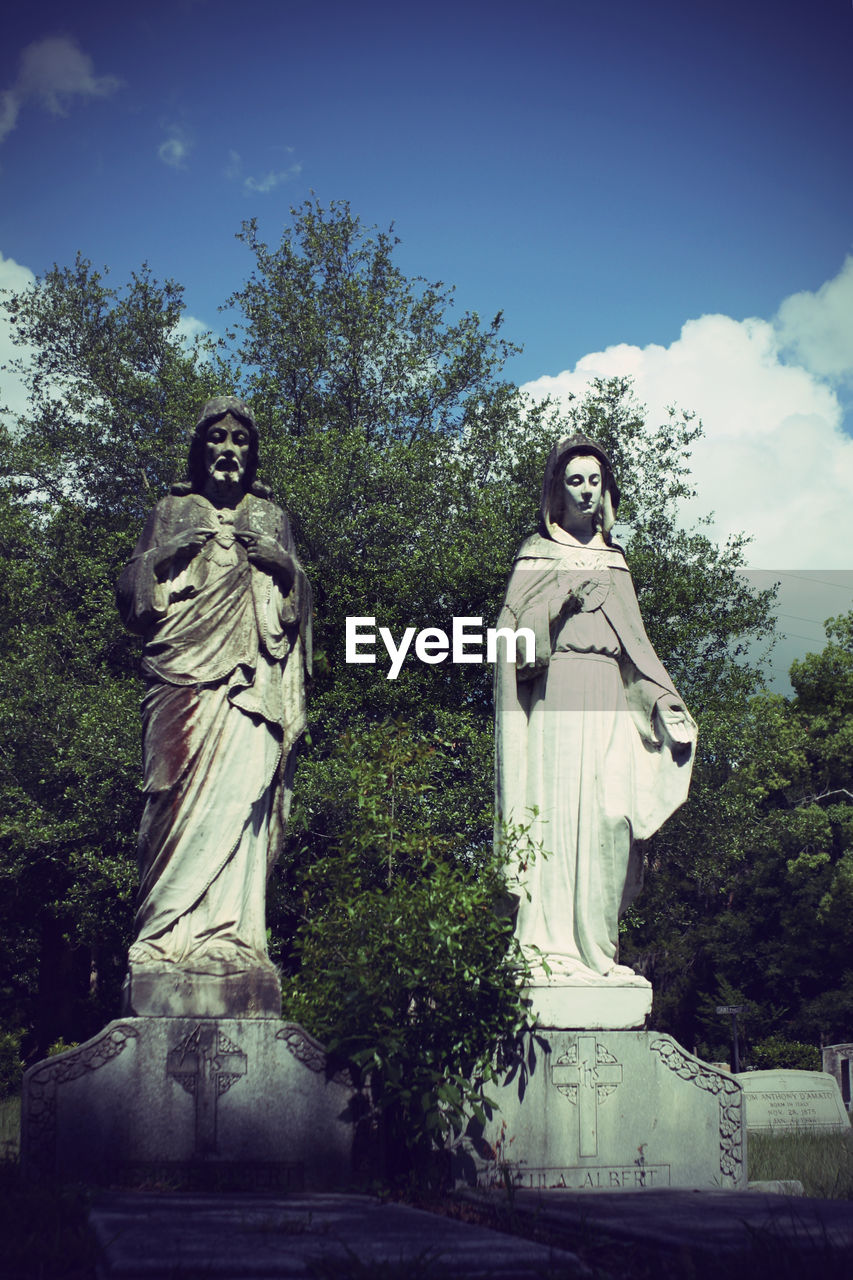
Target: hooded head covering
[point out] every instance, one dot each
(574, 446)
(212, 411)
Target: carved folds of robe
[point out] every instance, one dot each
(576, 743)
(225, 658)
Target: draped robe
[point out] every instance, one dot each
(577, 754)
(225, 657)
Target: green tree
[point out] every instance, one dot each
(409, 468)
(111, 389)
(407, 461)
(775, 937)
(407, 963)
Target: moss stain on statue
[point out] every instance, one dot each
(217, 593)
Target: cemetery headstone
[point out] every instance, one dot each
(785, 1101)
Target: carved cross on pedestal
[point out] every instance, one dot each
(206, 1063)
(586, 1074)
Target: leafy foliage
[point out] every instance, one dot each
(10, 1061)
(408, 965)
(111, 390)
(791, 1055)
(776, 938)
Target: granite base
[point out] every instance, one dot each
(207, 1102)
(612, 1003)
(610, 1110)
(173, 991)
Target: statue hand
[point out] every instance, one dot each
(673, 724)
(184, 545)
(270, 556)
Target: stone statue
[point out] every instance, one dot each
(593, 743)
(216, 591)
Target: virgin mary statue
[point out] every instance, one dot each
(594, 747)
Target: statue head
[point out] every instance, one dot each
(217, 409)
(553, 485)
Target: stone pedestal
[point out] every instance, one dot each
(618, 1004)
(192, 1101)
(173, 991)
(612, 1110)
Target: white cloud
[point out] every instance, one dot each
(13, 395)
(817, 328)
(233, 171)
(174, 150)
(190, 327)
(774, 461)
(234, 167)
(10, 107)
(271, 180)
(52, 72)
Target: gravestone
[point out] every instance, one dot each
(615, 1111)
(224, 1101)
(838, 1061)
(793, 1101)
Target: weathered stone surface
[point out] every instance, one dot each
(571, 1003)
(768, 1234)
(614, 1110)
(224, 609)
(790, 1101)
(838, 1061)
(177, 991)
(237, 1102)
(777, 1187)
(190, 1236)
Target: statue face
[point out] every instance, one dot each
(582, 493)
(226, 451)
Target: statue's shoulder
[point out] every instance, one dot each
(262, 501)
(574, 555)
(262, 508)
(617, 556)
(177, 499)
(181, 506)
(535, 546)
(265, 516)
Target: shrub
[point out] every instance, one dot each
(775, 1053)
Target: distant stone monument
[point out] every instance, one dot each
(594, 750)
(789, 1101)
(200, 1081)
(594, 745)
(837, 1059)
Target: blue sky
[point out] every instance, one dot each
(662, 189)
